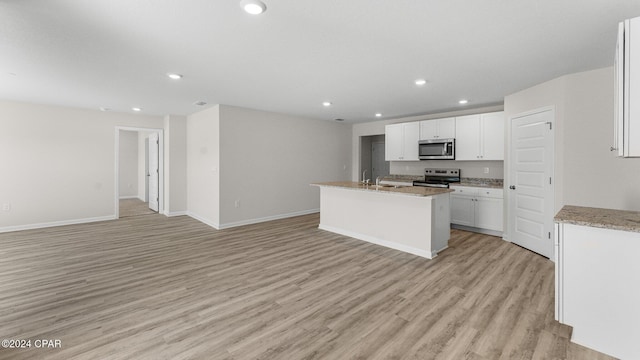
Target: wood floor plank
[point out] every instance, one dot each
(152, 287)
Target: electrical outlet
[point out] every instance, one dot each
(6, 207)
(238, 203)
(486, 170)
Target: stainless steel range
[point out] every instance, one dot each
(439, 178)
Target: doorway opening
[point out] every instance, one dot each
(372, 157)
(139, 171)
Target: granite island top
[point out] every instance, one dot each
(601, 218)
(405, 190)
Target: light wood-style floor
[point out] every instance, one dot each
(151, 287)
(134, 207)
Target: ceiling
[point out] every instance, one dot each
(361, 55)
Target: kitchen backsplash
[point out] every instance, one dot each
(468, 169)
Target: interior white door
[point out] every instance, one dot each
(531, 190)
(153, 172)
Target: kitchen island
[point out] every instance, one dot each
(410, 219)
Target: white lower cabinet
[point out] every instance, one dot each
(478, 208)
(596, 288)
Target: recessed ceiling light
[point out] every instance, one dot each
(136, 109)
(326, 103)
(378, 115)
(421, 82)
(253, 7)
(174, 76)
(463, 101)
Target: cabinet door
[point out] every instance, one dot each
(488, 213)
(411, 135)
(492, 143)
(428, 129)
(394, 142)
(462, 210)
(447, 128)
(632, 94)
(468, 137)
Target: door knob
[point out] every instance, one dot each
(512, 187)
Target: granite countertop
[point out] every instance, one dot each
(601, 218)
(407, 190)
(480, 182)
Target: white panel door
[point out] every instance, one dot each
(530, 191)
(153, 173)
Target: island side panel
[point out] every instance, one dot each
(397, 221)
(441, 218)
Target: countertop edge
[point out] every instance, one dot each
(385, 190)
(622, 220)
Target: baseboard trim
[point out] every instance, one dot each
(267, 218)
(175, 213)
(55, 223)
(203, 220)
(478, 230)
(128, 197)
(385, 243)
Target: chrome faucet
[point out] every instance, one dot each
(364, 174)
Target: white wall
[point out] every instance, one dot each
(58, 164)
(203, 164)
(587, 173)
(175, 158)
(593, 175)
(468, 168)
(268, 160)
(128, 173)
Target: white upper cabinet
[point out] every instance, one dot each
(438, 129)
(401, 141)
(480, 136)
(627, 89)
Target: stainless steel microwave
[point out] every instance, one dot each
(437, 149)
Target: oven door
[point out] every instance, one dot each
(436, 149)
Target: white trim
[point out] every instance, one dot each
(374, 240)
(267, 218)
(478, 230)
(56, 223)
(129, 197)
(203, 220)
(175, 213)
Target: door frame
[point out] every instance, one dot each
(509, 215)
(160, 133)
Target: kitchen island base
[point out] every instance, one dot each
(414, 224)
